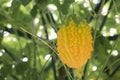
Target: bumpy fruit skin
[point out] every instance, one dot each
(74, 44)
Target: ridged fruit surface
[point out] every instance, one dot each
(74, 44)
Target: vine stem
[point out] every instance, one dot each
(54, 50)
(68, 73)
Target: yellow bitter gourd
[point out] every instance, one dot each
(74, 44)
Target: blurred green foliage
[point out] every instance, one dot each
(28, 39)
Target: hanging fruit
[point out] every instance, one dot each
(74, 44)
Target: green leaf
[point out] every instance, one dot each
(15, 9)
(32, 74)
(116, 76)
(1, 36)
(42, 4)
(6, 70)
(14, 46)
(24, 2)
(34, 11)
(17, 43)
(3, 1)
(1, 77)
(100, 49)
(21, 67)
(2, 18)
(56, 2)
(65, 6)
